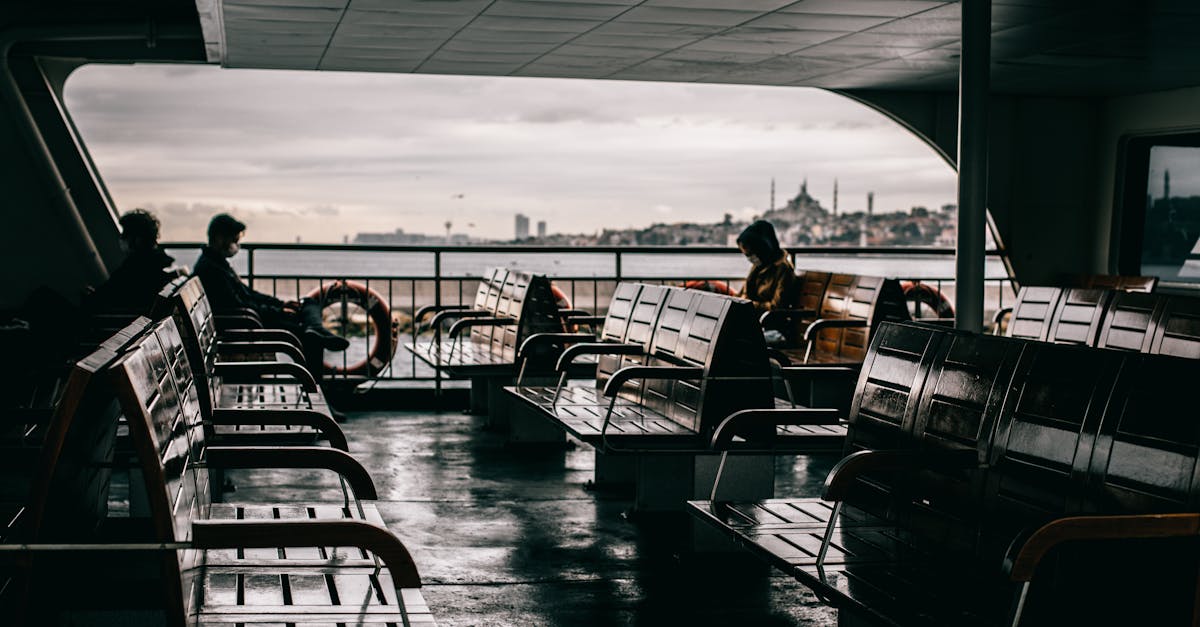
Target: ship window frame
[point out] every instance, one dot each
(1133, 183)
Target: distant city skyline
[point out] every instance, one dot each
(322, 156)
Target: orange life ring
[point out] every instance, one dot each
(923, 294)
(716, 287)
(564, 304)
(380, 354)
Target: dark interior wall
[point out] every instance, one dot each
(45, 240)
(1043, 161)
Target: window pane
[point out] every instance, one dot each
(1173, 214)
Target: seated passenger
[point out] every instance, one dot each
(134, 284)
(772, 279)
(226, 291)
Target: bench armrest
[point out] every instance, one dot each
(433, 309)
(630, 373)
(543, 339)
(776, 316)
(998, 318)
(573, 313)
(456, 314)
(323, 423)
(590, 321)
(826, 323)
(779, 357)
(722, 437)
(268, 346)
(319, 457)
(458, 327)
(257, 335)
(851, 467)
(256, 534)
(813, 371)
(596, 348)
(256, 369)
(945, 323)
(1026, 552)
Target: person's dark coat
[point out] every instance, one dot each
(771, 283)
(133, 286)
(225, 288)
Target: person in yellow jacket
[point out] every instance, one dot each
(771, 283)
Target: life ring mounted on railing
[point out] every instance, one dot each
(923, 295)
(716, 287)
(563, 302)
(379, 354)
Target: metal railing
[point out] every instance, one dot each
(408, 277)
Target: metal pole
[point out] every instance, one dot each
(973, 87)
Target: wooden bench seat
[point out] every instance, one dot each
(252, 563)
(958, 451)
(234, 391)
(483, 340)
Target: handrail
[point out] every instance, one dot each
(934, 251)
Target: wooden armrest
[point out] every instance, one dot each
(257, 534)
(629, 373)
(458, 327)
(269, 346)
(433, 309)
(456, 314)
(723, 436)
(260, 335)
(596, 348)
(1025, 553)
(540, 339)
(256, 369)
(774, 316)
(318, 457)
(573, 313)
(851, 467)
(322, 422)
(825, 323)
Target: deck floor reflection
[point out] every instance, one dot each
(511, 537)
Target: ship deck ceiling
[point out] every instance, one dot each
(1038, 46)
(506, 536)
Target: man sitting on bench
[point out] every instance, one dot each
(133, 286)
(226, 291)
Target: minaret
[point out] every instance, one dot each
(870, 203)
(835, 196)
(804, 187)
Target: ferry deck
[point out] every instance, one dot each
(1050, 112)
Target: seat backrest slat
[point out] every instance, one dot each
(1033, 312)
(1130, 321)
(1178, 329)
(1078, 316)
(639, 329)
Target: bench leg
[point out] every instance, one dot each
(527, 426)
(499, 403)
(665, 482)
(614, 472)
(479, 396)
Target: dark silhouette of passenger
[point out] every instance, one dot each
(133, 286)
(227, 292)
(772, 280)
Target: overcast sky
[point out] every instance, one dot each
(325, 155)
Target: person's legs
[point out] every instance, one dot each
(310, 318)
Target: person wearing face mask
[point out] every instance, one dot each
(134, 284)
(772, 280)
(226, 291)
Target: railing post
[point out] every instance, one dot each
(618, 265)
(250, 265)
(973, 88)
(437, 300)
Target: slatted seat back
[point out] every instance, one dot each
(811, 289)
(526, 299)
(1178, 330)
(670, 345)
(165, 427)
(1041, 451)
(490, 286)
(1147, 455)
(1032, 313)
(194, 319)
(1130, 321)
(68, 493)
(960, 404)
(620, 310)
(867, 298)
(739, 370)
(1078, 316)
(639, 329)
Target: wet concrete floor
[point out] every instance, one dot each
(507, 536)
